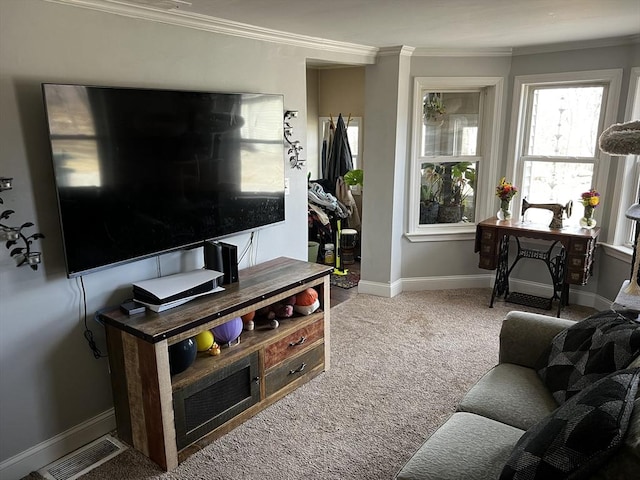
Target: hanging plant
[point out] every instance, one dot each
(433, 109)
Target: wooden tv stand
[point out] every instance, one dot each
(169, 418)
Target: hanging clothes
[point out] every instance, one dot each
(339, 160)
(327, 143)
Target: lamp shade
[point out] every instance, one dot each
(621, 139)
(633, 212)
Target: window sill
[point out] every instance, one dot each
(443, 232)
(617, 251)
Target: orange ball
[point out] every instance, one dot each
(247, 317)
(306, 297)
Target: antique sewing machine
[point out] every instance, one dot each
(557, 209)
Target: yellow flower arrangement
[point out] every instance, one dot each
(590, 198)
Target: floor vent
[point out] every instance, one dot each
(84, 459)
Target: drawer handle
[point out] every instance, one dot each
(299, 342)
(301, 368)
(256, 379)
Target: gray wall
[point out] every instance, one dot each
(430, 260)
(609, 272)
(50, 381)
(386, 148)
(435, 259)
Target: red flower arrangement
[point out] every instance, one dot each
(505, 190)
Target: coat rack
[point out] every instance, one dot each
(23, 255)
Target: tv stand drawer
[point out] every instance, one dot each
(293, 343)
(293, 368)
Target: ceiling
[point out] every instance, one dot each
(439, 24)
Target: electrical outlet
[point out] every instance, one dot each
(286, 186)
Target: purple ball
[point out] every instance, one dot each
(228, 332)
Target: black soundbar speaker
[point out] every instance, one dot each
(222, 257)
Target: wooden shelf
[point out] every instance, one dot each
(250, 342)
(261, 285)
(168, 418)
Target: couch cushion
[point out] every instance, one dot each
(579, 436)
(510, 394)
(466, 446)
(588, 351)
(625, 463)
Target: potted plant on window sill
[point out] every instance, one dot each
(455, 178)
(430, 188)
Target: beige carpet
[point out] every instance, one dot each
(399, 367)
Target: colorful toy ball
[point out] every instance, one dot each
(306, 297)
(247, 320)
(204, 340)
(307, 302)
(228, 332)
(182, 355)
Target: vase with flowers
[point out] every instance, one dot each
(505, 191)
(590, 200)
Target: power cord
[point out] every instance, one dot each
(247, 247)
(88, 334)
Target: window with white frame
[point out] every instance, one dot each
(555, 140)
(628, 174)
(455, 134)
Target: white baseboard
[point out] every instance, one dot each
(446, 283)
(380, 289)
(576, 296)
(62, 444)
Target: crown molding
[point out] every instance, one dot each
(400, 50)
(177, 17)
(462, 52)
(566, 46)
(528, 50)
(220, 26)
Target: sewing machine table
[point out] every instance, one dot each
(569, 257)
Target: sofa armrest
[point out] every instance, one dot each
(524, 336)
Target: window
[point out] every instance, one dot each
(627, 182)
(455, 129)
(556, 154)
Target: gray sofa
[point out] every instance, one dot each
(477, 440)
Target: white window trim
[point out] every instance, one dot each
(628, 167)
(518, 121)
(490, 146)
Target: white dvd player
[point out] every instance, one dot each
(177, 287)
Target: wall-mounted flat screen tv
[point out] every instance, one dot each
(140, 172)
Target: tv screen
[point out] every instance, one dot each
(140, 172)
